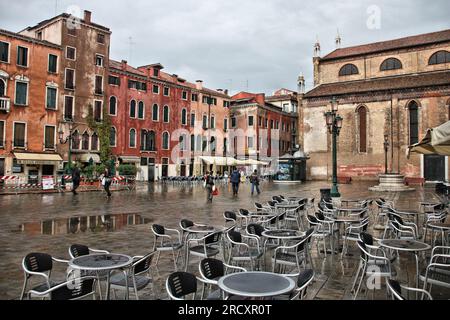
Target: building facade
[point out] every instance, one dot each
(395, 89)
(29, 85)
(162, 123)
(84, 74)
(262, 130)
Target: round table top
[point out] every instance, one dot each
(256, 284)
(405, 245)
(283, 234)
(202, 229)
(287, 205)
(101, 262)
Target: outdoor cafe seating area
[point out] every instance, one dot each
(265, 251)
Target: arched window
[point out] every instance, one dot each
(75, 140)
(439, 57)
(165, 140)
(94, 142)
(151, 141)
(85, 141)
(133, 109)
(155, 112)
(166, 114)
(362, 129)
(182, 142)
(348, 70)
(183, 117)
(112, 137)
(2, 88)
(113, 106)
(413, 123)
(391, 64)
(141, 110)
(132, 142)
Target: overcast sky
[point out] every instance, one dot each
(254, 45)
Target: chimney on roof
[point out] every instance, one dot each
(199, 84)
(124, 64)
(225, 91)
(87, 16)
(338, 40)
(175, 76)
(317, 48)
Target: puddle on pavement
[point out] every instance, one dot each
(83, 224)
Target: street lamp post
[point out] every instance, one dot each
(386, 149)
(334, 124)
(68, 139)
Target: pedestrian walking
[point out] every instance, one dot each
(209, 184)
(75, 179)
(235, 179)
(254, 179)
(106, 181)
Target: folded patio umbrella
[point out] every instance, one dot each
(436, 141)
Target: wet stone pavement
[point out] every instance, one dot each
(50, 223)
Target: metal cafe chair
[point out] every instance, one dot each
(210, 271)
(394, 289)
(180, 285)
(166, 242)
(241, 252)
(139, 276)
(205, 247)
(304, 280)
(39, 265)
(73, 289)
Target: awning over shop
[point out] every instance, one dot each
(436, 141)
(84, 157)
(130, 159)
(38, 158)
(229, 161)
(220, 161)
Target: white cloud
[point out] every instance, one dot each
(227, 43)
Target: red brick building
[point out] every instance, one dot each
(262, 130)
(29, 83)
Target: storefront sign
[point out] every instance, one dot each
(48, 183)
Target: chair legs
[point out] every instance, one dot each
(22, 295)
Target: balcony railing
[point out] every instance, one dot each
(4, 104)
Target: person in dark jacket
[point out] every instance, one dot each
(235, 179)
(209, 183)
(75, 179)
(254, 179)
(106, 181)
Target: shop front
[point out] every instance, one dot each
(32, 168)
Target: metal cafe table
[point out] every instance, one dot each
(442, 228)
(412, 246)
(103, 262)
(256, 284)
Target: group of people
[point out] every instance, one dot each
(105, 178)
(235, 180)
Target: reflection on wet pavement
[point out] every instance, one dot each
(51, 223)
(77, 224)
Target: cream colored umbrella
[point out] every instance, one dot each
(214, 168)
(436, 141)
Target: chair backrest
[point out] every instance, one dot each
(255, 229)
(272, 203)
(304, 277)
(158, 229)
(78, 250)
(258, 206)
(312, 220)
(395, 289)
(320, 216)
(76, 289)
(229, 216)
(235, 236)
(180, 284)
(143, 264)
(212, 268)
(38, 262)
(366, 238)
(185, 223)
(244, 212)
(213, 238)
(363, 250)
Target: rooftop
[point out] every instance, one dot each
(409, 81)
(402, 43)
